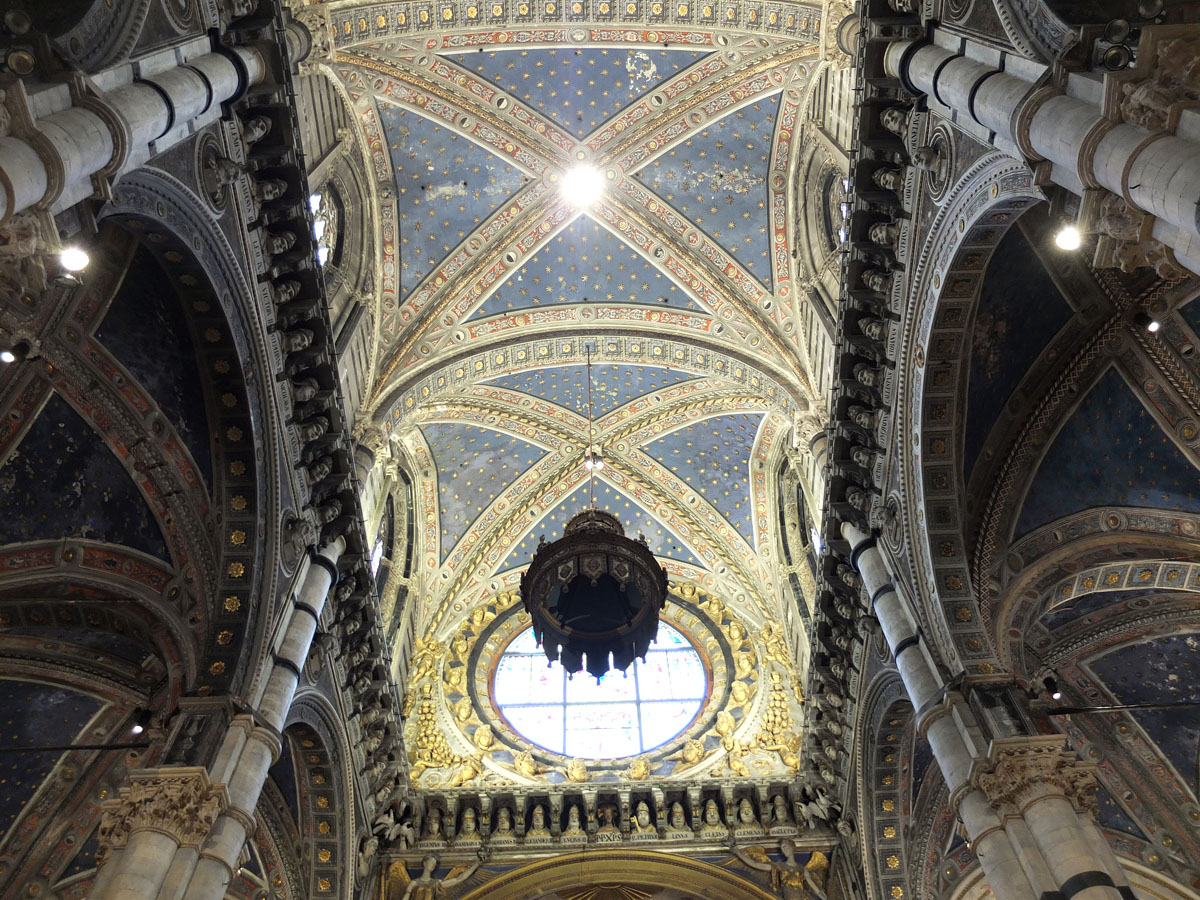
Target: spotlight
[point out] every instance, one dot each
(141, 722)
(74, 259)
(1068, 238)
(583, 186)
(1117, 57)
(1142, 320)
(1052, 687)
(1117, 30)
(18, 351)
(593, 461)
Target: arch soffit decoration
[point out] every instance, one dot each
(230, 337)
(884, 713)
(327, 763)
(1096, 550)
(663, 870)
(982, 205)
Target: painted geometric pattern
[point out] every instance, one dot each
(37, 715)
(1110, 452)
(713, 457)
(579, 89)
(474, 465)
(445, 187)
(585, 263)
(717, 179)
(1161, 670)
(633, 517)
(612, 386)
(63, 481)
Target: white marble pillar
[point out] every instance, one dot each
(1158, 173)
(260, 748)
(1024, 830)
(925, 689)
(118, 129)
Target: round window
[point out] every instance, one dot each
(625, 714)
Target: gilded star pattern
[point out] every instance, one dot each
(633, 516)
(586, 264)
(713, 457)
(474, 465)
(612, 386)
(579, 89)
(445, 187)
(718, 180)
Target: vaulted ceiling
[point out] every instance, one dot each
(678, 282)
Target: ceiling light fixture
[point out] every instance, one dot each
(1068, 238)
(141, 722)
(1051, 684)
(582, 186)
(74, 259)
(1143, 320)
(594, 594)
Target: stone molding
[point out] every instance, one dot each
(1019, 772)
(181, 803)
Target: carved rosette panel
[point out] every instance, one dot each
(180, 803)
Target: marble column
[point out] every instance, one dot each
(1019, 798)
(253, 748)
(997, 854)
(159, 812)
(189, 851)
(111, 132)
(1156, 172)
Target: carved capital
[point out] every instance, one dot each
(1020, 771)
(180, 802)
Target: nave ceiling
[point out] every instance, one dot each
(679, 281)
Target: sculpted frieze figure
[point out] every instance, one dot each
(468, 830)
(574, 832)
(608, 832)
(503, 836)
(677, 826)
(713, 826)
(747, 825)
(426, 887)
(643, 824)
(896, 118)
(538, 833)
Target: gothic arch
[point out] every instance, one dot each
(659, 870)
(1095, 550)
(231, 339)
(946, 279)
(324, 761)
(885, 715)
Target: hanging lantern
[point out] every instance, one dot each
(594, 595)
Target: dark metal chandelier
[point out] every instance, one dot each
(594, 594)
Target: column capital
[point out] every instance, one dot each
(181, 803)
(1020, 771)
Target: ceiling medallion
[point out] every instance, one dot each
(594, 594)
